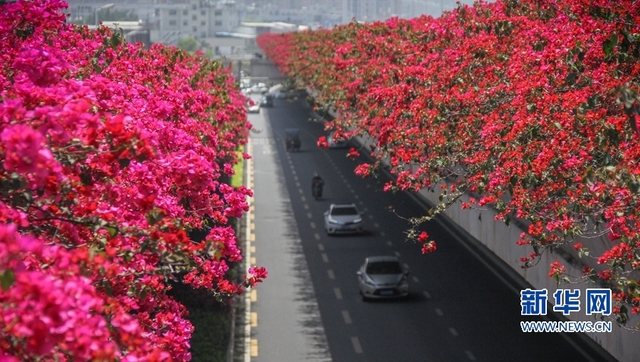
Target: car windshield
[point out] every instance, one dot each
(384, 267)
(341, 211)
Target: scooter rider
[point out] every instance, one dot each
(316, 185)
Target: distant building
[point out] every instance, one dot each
(198, 18)
(169, 21)
(223, 24)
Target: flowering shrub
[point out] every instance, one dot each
(110, 154)
(530, 106)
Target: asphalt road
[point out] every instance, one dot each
(310, 309)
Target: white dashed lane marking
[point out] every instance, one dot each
(356, 345)
(330, 274)
(338, 293)
(470, 355)
(346, 317)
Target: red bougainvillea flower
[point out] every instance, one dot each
(353, 153)
(428, 247)
(322, 142)
(556, 270)
(423, 236)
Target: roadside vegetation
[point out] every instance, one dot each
(117, 213)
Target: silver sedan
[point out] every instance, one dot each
(382, 277)
(343, 218)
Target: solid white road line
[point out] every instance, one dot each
(252, 295)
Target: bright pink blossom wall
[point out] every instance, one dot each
(110, 154)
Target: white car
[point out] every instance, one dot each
(254, 108)
(259, 88)
(382, 277)
(343, 218)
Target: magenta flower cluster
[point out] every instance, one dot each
(110, 154)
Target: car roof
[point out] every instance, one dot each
(373, 259)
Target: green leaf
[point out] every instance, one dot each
(571, 79)
(112, 231)
(6, 279)
(623, 318)
(116, 40)
(609, 44)
(154, 216)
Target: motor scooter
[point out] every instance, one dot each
(316, 189)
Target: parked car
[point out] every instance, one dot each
(266, 100)
(343, 218)
(259, 88)
(254, 107)
(382, 277)
(334, 143)
(285, 93)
